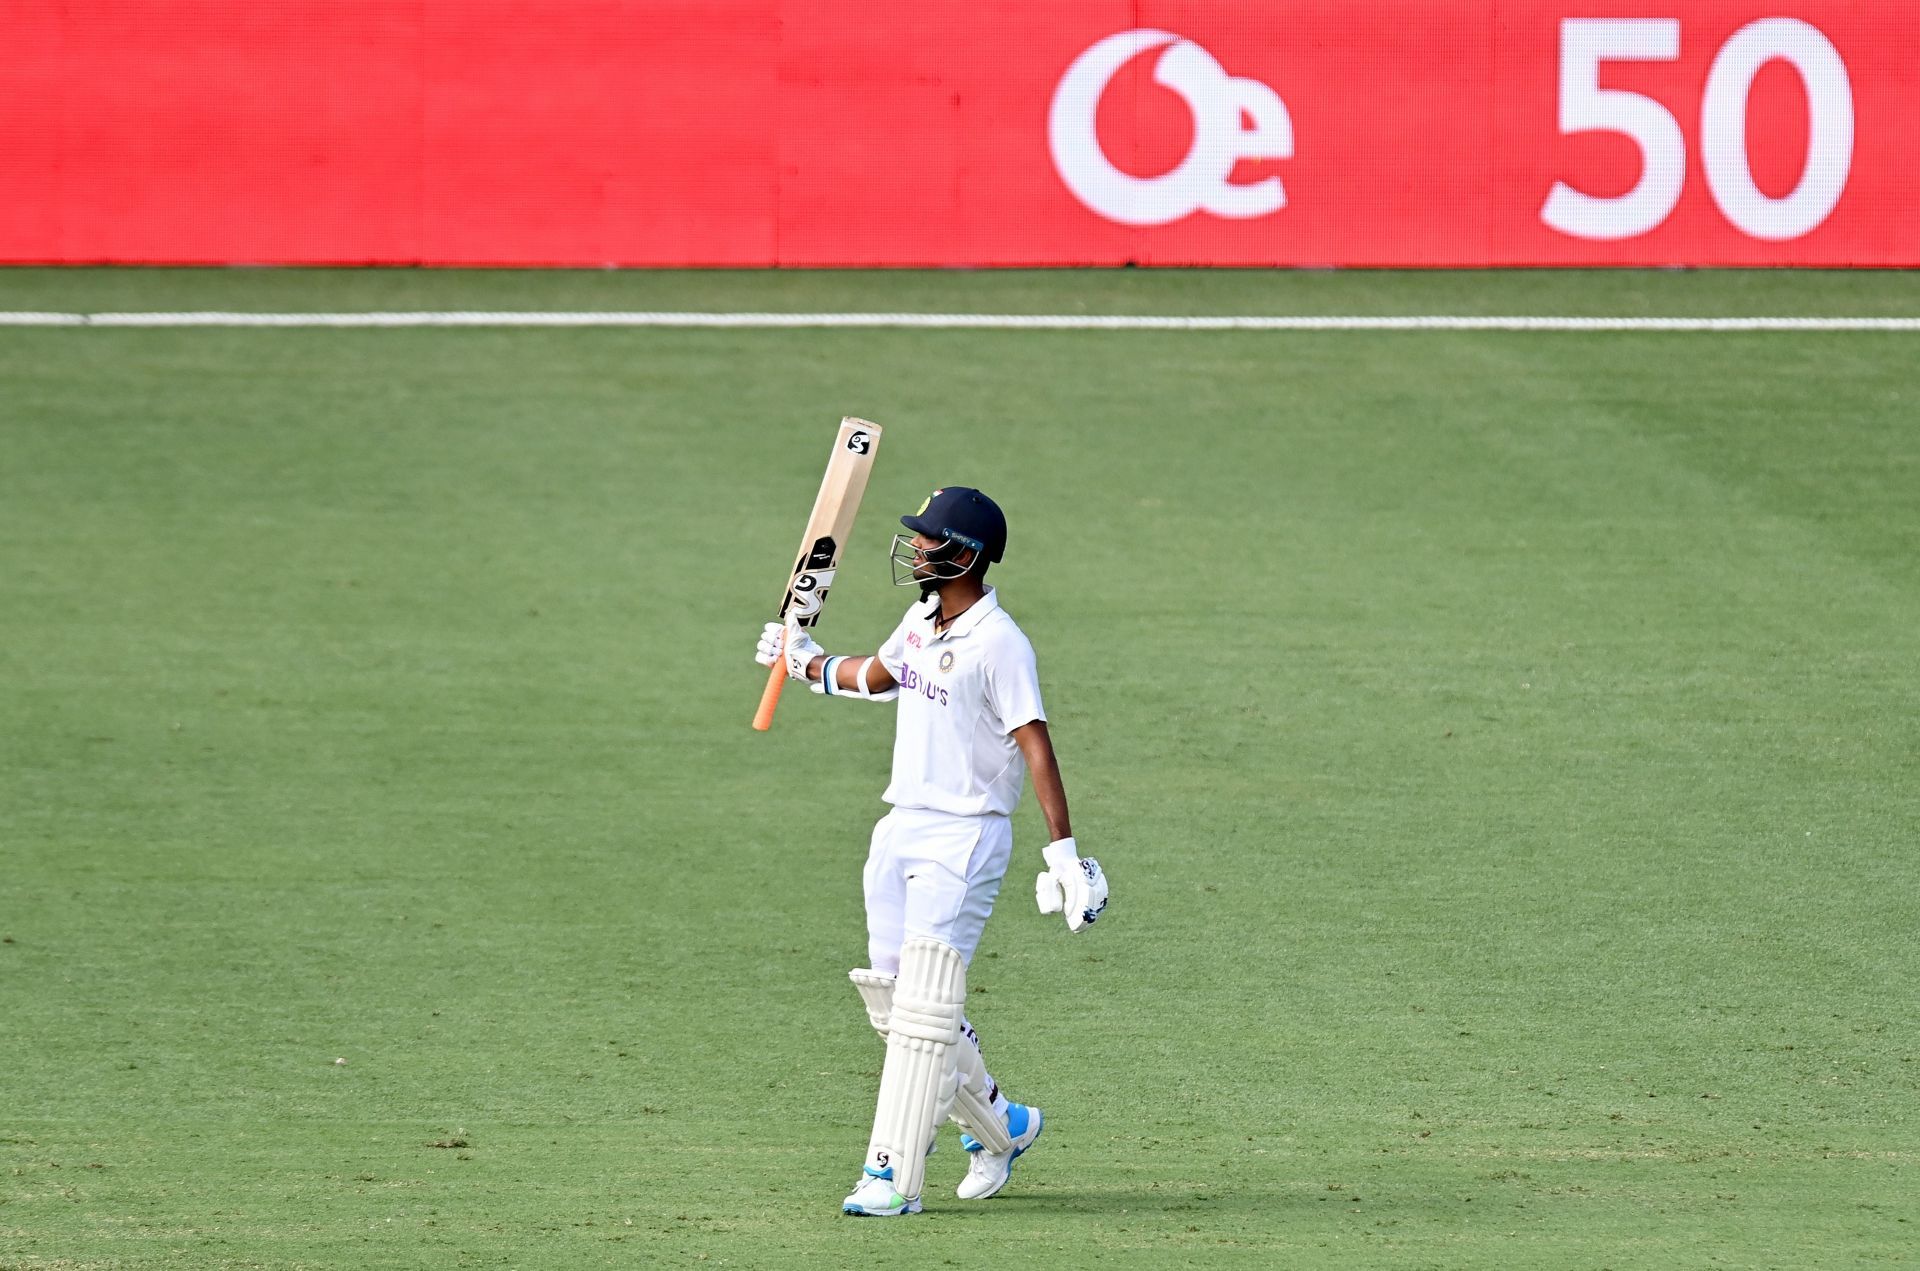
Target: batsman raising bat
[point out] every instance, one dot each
(970, 728)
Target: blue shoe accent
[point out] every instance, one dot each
(871, 1172)
(1018, 1114)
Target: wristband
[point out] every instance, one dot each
(826, 674)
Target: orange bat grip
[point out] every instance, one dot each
(770, 696)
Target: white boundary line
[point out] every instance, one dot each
(947, 321)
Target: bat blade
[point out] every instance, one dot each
(818, 559)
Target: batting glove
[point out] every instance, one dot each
(771, 638)
(787, 640)
(1072, 884)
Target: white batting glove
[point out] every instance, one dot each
(1072, 884)
(768, 650)
(800, 649)
(787, 640)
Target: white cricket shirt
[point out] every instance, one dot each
(962, 693)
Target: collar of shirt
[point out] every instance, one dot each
(976, 613)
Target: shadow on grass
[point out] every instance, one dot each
(1107, 1204)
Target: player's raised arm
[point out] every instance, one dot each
(862, 675)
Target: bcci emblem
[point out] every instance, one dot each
(946, 660)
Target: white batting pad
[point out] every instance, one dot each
(923, 1041)
(973, 1109)
(973, 1101)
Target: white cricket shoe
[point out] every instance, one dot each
(876, 1197)
(987, 1172)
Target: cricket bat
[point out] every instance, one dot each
(847, 470)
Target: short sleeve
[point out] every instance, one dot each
(893, 652)
(1013, 686)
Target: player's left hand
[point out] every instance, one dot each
(1073, 884)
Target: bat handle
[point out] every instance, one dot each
(770, 697)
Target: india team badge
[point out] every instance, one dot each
(946, 660)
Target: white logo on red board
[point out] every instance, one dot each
(1233, 119)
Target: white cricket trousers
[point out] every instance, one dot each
(932, 874)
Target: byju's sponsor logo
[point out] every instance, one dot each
(1233, 119)
(912, 681)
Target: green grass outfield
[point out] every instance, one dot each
(1505, 749)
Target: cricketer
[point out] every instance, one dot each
(970, 728)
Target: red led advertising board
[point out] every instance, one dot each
(755, 132)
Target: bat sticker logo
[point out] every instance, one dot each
(808, 594)
(860, 443)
